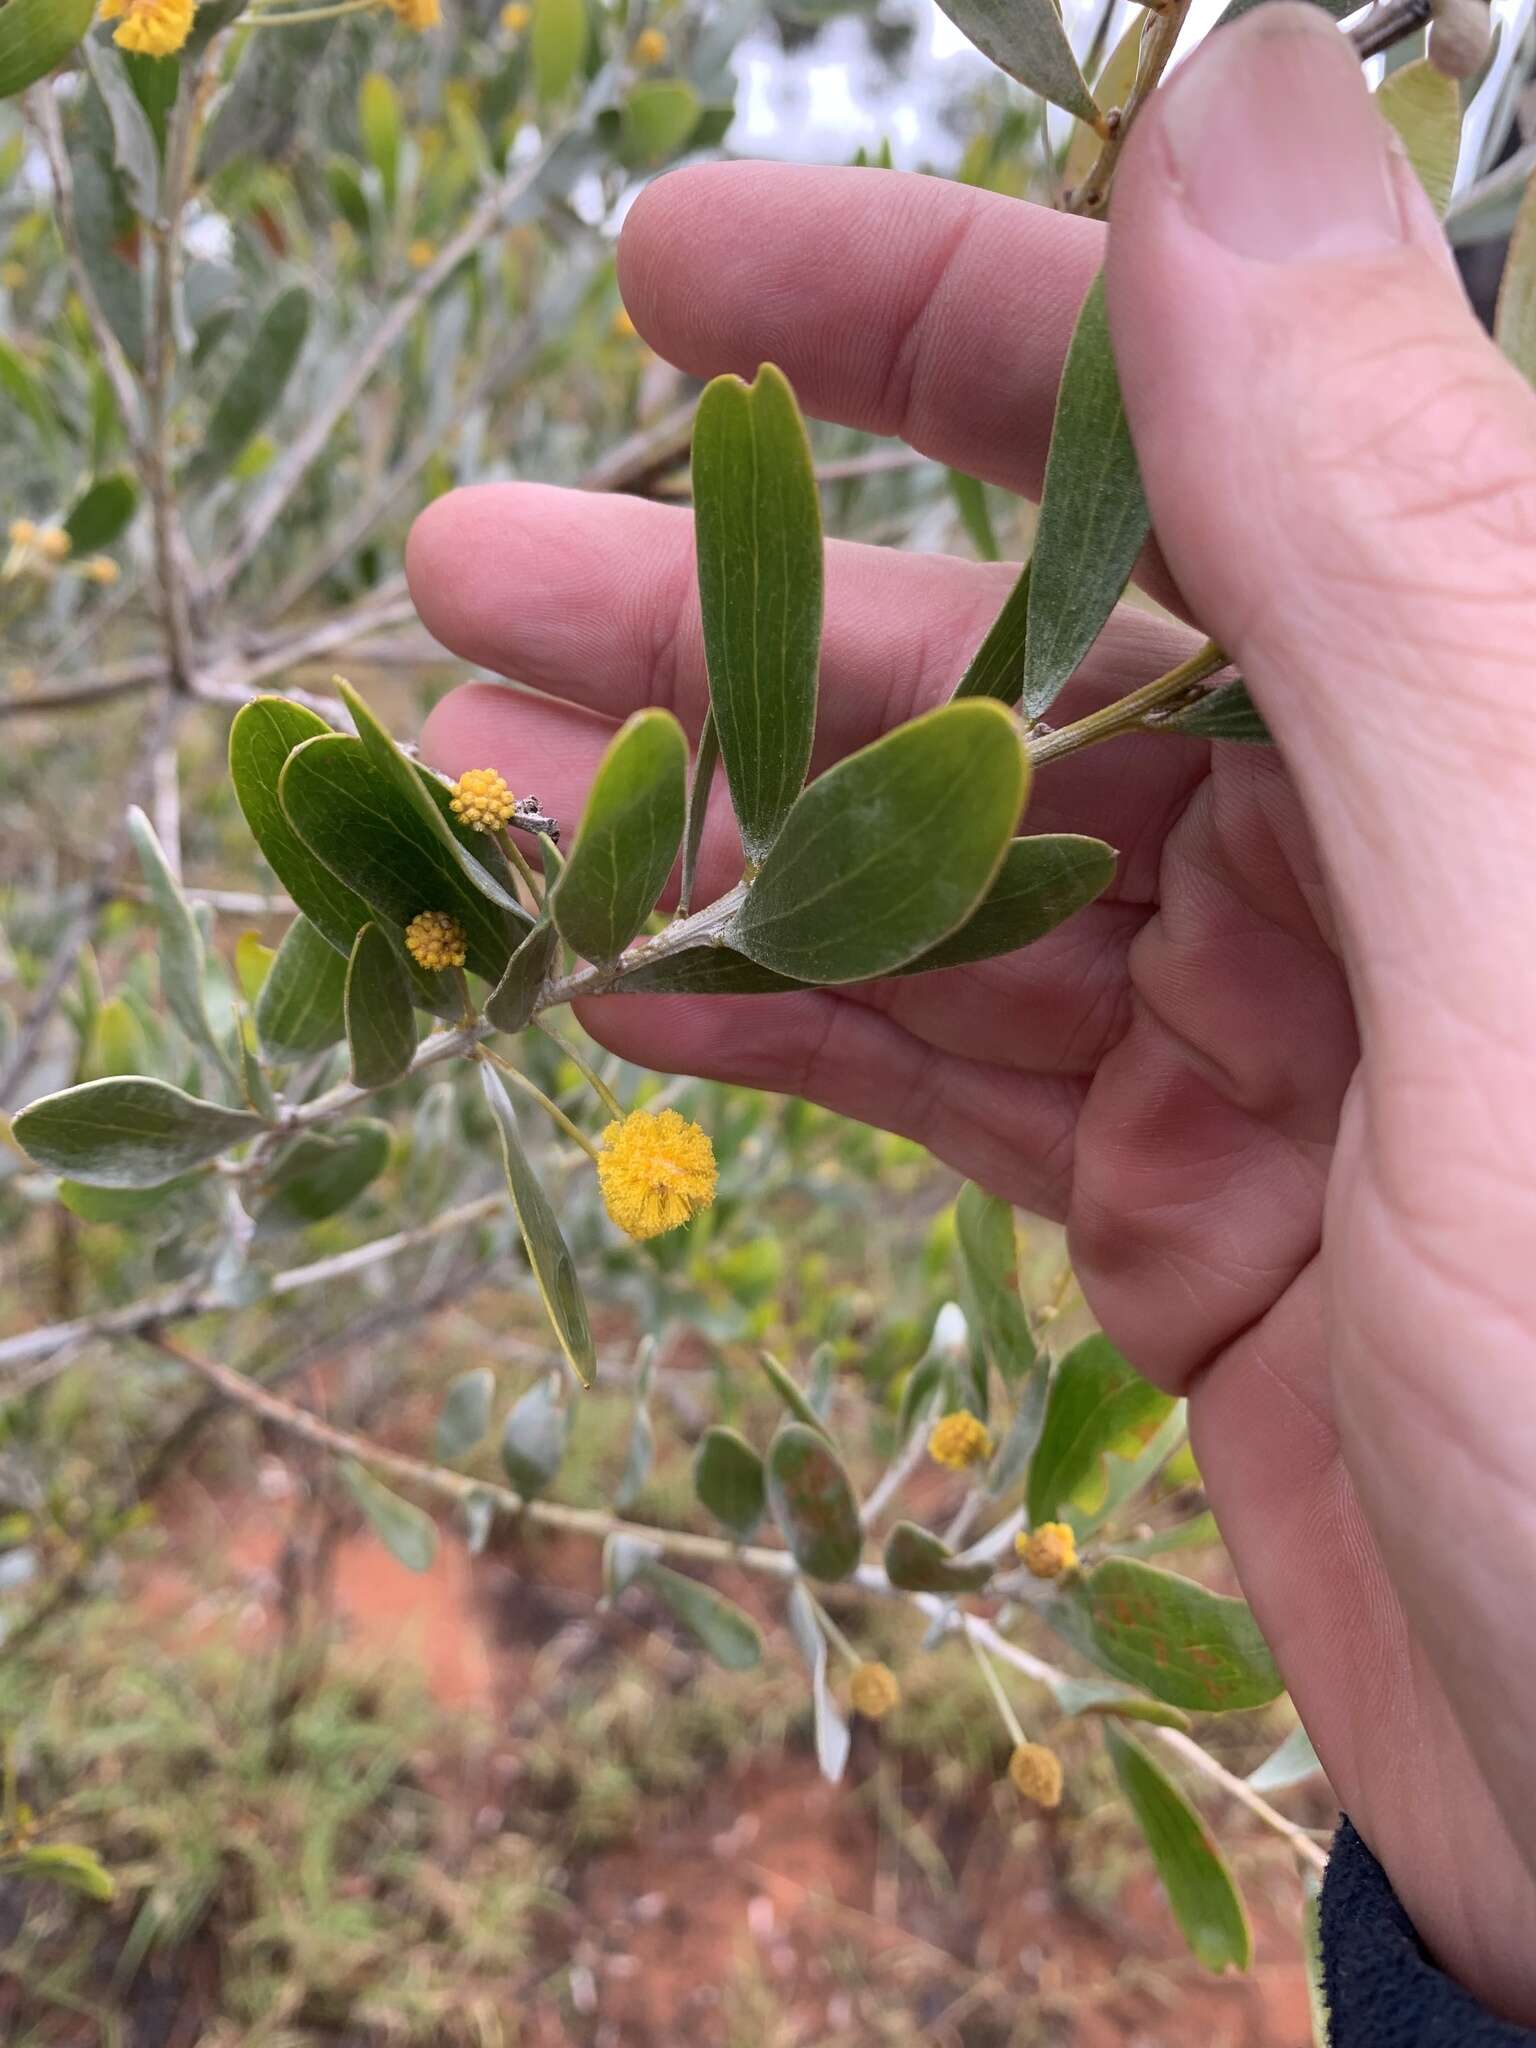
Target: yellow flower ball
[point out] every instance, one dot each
(482, 800)
(655, 1172)
(54, 544)
(22, 533)
(515, 19)
(420, 253)
(959, 1440)
(101, 569)
(1035, 1773)
(418, 15)
(435, 941)
(1048, 1551)
(624, 329)
(874, 1691)
(650, 48)
(150, 28)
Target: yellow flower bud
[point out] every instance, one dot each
(874, 1691)
(655, 1172)
(624, 328)
(22, 533)
(420, 253)
(150, 28)
(482, 800)
(515, 19)
(959, 1440)
(100, 569)
(418, 15)
(435, 941)
(1048, 1550)
(1035, 1773)
(54, 544)
(650, 49)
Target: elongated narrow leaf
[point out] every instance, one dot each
(300, 1009)
(255, 388)
(118, 1205)
(1424, 106)
(1093, 513)
(465, 1415)
(1096, 1398)
(533, 1438)
(1110, 89)
(984, 1226)
(918, 1562)
(511, 1004)
(813, 1502)
(477, 857)
(832, 1738)
(856, 885)
(758, 530)
(789, 1392)
(181, 955)
(630, 833)
(1026, 39)
(263, 735)
(407, 1532)
(135, 150)
(728, 1478)
(1228, 713)
(996, 669)
(657, 118)
(375, 841)
(36, 36)
(1194, 1648)
(128, 1133)
(381, 1024)
(638, 1460)
(1200, 1888)
(1042, 882)
(975, 515)
(320, 1174)
(558, 39)
(25, 389)
(1103, 1696)
(730, 1636)
(700, 783)
(70, 1864)
(101, 512)
(1514, 325)
(1291, 1764)
(553, 1267)
(379, 123)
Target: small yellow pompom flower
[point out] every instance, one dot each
(150, 28)
(435, 940)
(624, 329)
(22, 533)
(1035, 1773)
(1048, 1551)
(54, 544)
(100, 569)
(515, 19)
(656, 1172)
(874, 1691)
(482, 799)
(650, 48)
(959, 1440)
(418, 15)
(420, 253)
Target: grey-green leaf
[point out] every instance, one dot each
(1227, 713)
(984, 1227)
(730, 1637)
(1424, 106)
(1197, 1649)
(1291, 1764)
(1514, 325)
(381, 1024)
(36, 36)
(129, 1132)
(135, 152)
(854, 886)
(918, 1562)
(558, 39)
(758, 531)
(319, 1175)
(407, 1532)
(1200, 1887)
(554, 1270)
(728, 1478)
(465, 1415)
(533, 1438)
(832, 1737)
(791, 1394)
(630, 832)
(1103, 1696)
(476, 855)
(181, 944)
(1026, 39)
(813, 1503)
(255, 388)
(1096, 1397)
(511, 1004)
(1093, 513)
(700, 782)
(379, 844)
(263, 735)
(101, 512)
(301, 1007)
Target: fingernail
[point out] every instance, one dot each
(1278, 153)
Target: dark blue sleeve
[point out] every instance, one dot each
(1382, 1989)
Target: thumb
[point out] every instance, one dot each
(1342, 475)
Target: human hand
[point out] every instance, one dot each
(1280, 1082)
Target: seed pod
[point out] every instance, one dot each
(1460, 37)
